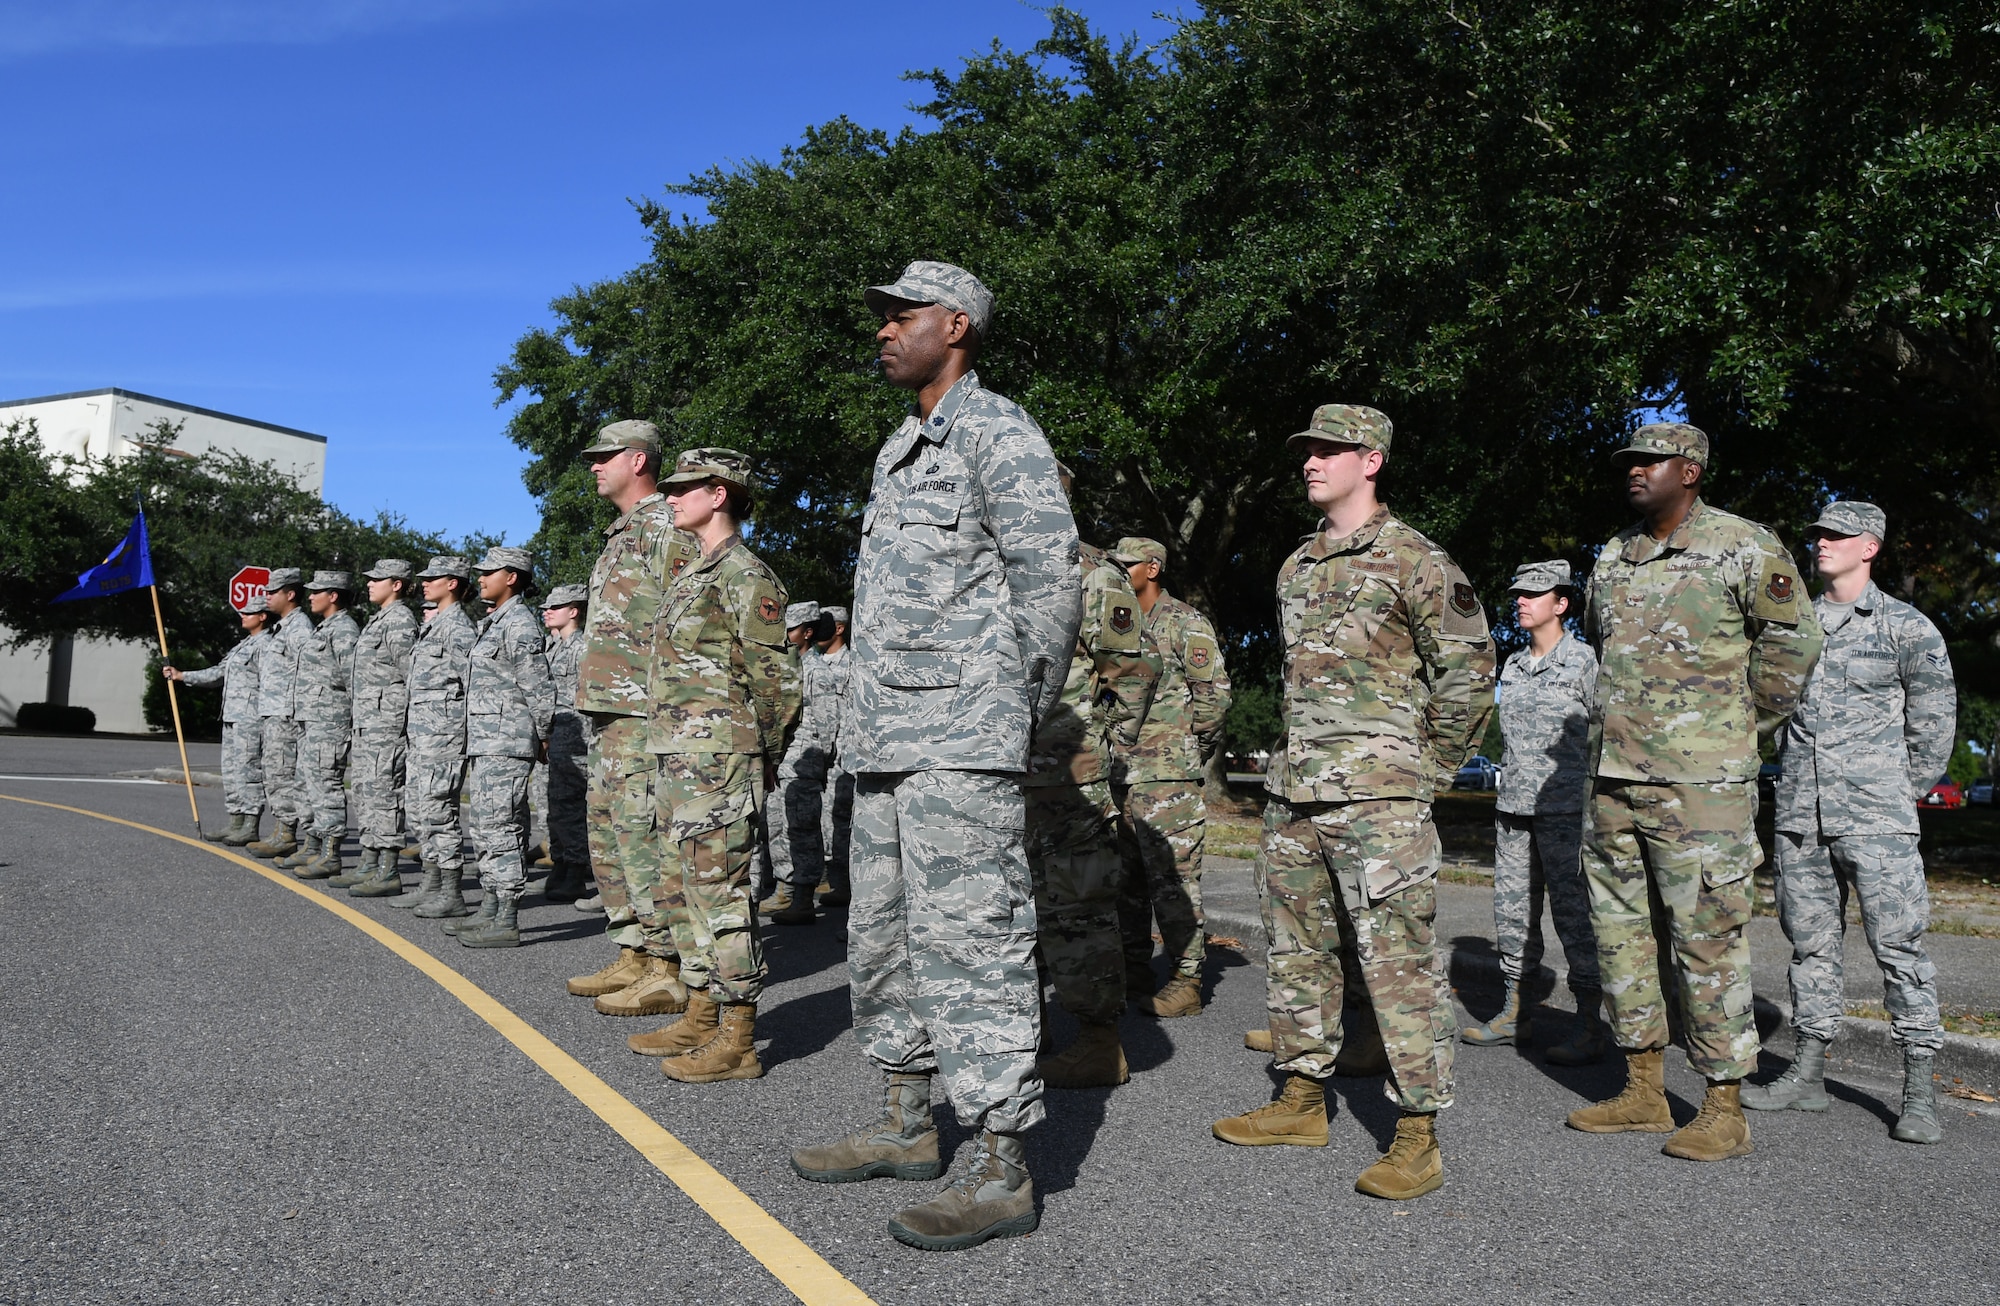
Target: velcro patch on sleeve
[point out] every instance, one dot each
(1460, 616)
(1201, 658)
(1774, 595)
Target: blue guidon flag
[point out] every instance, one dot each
(129, 567)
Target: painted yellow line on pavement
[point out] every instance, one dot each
(778, 1249)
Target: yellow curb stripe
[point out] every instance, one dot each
(778, 1249)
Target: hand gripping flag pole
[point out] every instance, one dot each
(129, 567)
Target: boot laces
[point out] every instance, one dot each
(1711, 1111)
(1408, 1146)
(977, 1171)
(1917, 1098)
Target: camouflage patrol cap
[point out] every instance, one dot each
(255, 603)
(1135, 549)
(1668, 439)
(330, 580)
(629, 434)
(944, 284)
(1541, 577)
(566, 596)
(505, 557)
(801, 614)
(1853, 517)
(389, 569)
(1347, 424)
(283, 576)
(835, 611)
(446, 564)
(710, 463)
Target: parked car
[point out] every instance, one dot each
(1980, 794)
(1479, 773)
(1945, 794)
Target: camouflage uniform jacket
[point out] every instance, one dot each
(237, 673)
(382, 670)
(826, 686)
(565, 658)
(439, 666)
(509, 698)
(642, 555)
(278, 666)
(1545, 724)
(1875, 726)
(1183, 723)
(1702, 641)
(966, 593)
(1388, 667)
(719, 680)
(1112, 676)
(326, 669)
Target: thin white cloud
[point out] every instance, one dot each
(33, 27)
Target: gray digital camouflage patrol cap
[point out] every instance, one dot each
(283, 576)
(255, 603)
(566, 596)
(1347, 424)
(1853, 517)
(710, 463)
(1135, 549)
(835, 611)
(629, 434)
(1669, 440)
(446, 564)
(505, 557)
(1541, 577)
(801, 614)
(330, 580)
(389, 569)
(944, 284)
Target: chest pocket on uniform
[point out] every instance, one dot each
(924, 581)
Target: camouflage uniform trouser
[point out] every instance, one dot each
(627, 854)
(1816, 872)
(1073, 858)
(243, 767)
(281, 769)
(792, 818)
(839, 828)
(1678, 856)
(1161, 826)
(1325, 931)
(566, 797)
(323, 773)
(941, 939)
(704, 802)
(1532, 856)
(431, 787)
(498, 821)
(376, 768)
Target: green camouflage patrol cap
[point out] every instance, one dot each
(1541, 577)
(1347, 424)
(630, 434)
(283, 576)
(1668, 439)
(330, 580)
(389, 569)
(710, 464)
(446, 564)
(835, 611)
(1135, 549)
(567, 596)
(801, 614)
(505, 557)
(944, 284)
(1853, 517)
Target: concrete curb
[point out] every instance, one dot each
(172, 775)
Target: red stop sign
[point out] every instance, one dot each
(246, 585)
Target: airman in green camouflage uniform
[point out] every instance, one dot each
(434, 775)
(1873, 731)
(719, 704)
(277, 708)
(242, 728)
(1388, 685)
(1704, 639)
(326, 720)
(966, 607)
(381, 718)
(1157, 782)
(566, 796)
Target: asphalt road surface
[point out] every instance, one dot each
(212, 1089)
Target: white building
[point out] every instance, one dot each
(107, 676)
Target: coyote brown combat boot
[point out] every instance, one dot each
(777, 902)
(617, 975)
(1179, 996)
(1258, 1040)
(901, 1144)
(1411, 1167)
(1296, 1118)
(1718, 1130)
(1640, 1107)
(656, 991)
(729, 1053)
(994, 1198)
(685, 1034)
(1095, 1060)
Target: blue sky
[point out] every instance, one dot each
(340, 216)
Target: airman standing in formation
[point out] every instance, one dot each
(1704, 639)
(792, 817)
(242, 727)
(1388, 679)
(1873, 731)
(826, 688)
(326, 723)
(381, 694)
(1546, 690)
(1157, 782)
(566, 807)
(434, 775)
(277, 704)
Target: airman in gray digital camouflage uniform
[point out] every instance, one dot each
(277, 705)
(326, 722)
(792, 814)
(1704, 639)
(242, 727)
(566, 808)
(1873, 731)
(828, 683)
(380, 758)
(1546, 690)
(434, 776)
(967, 599)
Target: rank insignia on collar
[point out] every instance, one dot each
(1463, 601)
(1121, 620)
(1779, 588)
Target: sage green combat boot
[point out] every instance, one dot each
(489, 906)
(386, 882)
(1509, 1024)
(364, 870)
(222, 835)
(503, 930)
(449, 899)
(1919, 1121)
(994, 1198)
(901, 1144)
(247, 835)
(302, 853)
(1803, 1085)
(327, 863)
(426, 889)
(282, 843)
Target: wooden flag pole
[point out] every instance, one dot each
(174, 702)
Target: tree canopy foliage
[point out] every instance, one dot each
(1511, 225)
